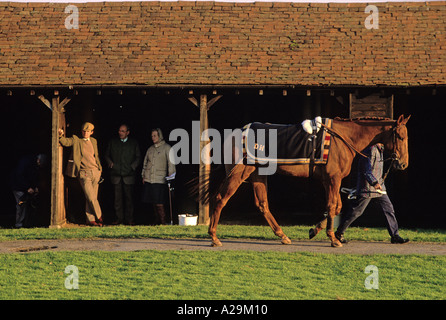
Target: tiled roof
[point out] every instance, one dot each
(216, 43)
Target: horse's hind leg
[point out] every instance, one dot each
(230, 185)
(261, 199)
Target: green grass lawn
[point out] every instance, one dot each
(209, 275)
(219, 275)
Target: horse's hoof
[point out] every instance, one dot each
(286, 240)
(312, 233)
(336, 244)
(216, 243)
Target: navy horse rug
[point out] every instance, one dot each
(302, 143)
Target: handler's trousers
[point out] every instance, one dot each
(20, 209)
(89, 180)
(360, 204)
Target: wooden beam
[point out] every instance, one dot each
(45, 101)
(63, 104)
(193, 100)
(212, 101)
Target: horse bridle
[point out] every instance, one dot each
(393, 157)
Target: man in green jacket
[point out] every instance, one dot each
(87, 168)
(123, 157)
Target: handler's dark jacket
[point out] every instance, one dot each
(25, 175)
(125, 157)
(370, 172)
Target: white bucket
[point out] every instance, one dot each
(187, 219)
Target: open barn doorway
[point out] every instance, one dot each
(418, 191)
(26, 127)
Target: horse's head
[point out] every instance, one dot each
(398, 143)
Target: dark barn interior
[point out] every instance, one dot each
(416, 192)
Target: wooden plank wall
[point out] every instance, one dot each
(373, 105)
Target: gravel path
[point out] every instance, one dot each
(354, 247)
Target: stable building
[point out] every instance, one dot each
(224, 64)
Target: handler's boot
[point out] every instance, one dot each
(398, 239)
(340, 237)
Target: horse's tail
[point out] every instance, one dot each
(205, 191)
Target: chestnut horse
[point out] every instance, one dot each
(349, 137)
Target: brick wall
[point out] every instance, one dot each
(223, 44)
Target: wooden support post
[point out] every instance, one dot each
(205, 167)
(58, 217)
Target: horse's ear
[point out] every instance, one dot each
(400, 119)
(407, 119)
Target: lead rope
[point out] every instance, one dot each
(392, 159)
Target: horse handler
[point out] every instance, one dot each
(370, 187)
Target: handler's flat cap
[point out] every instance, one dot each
(87, 126)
